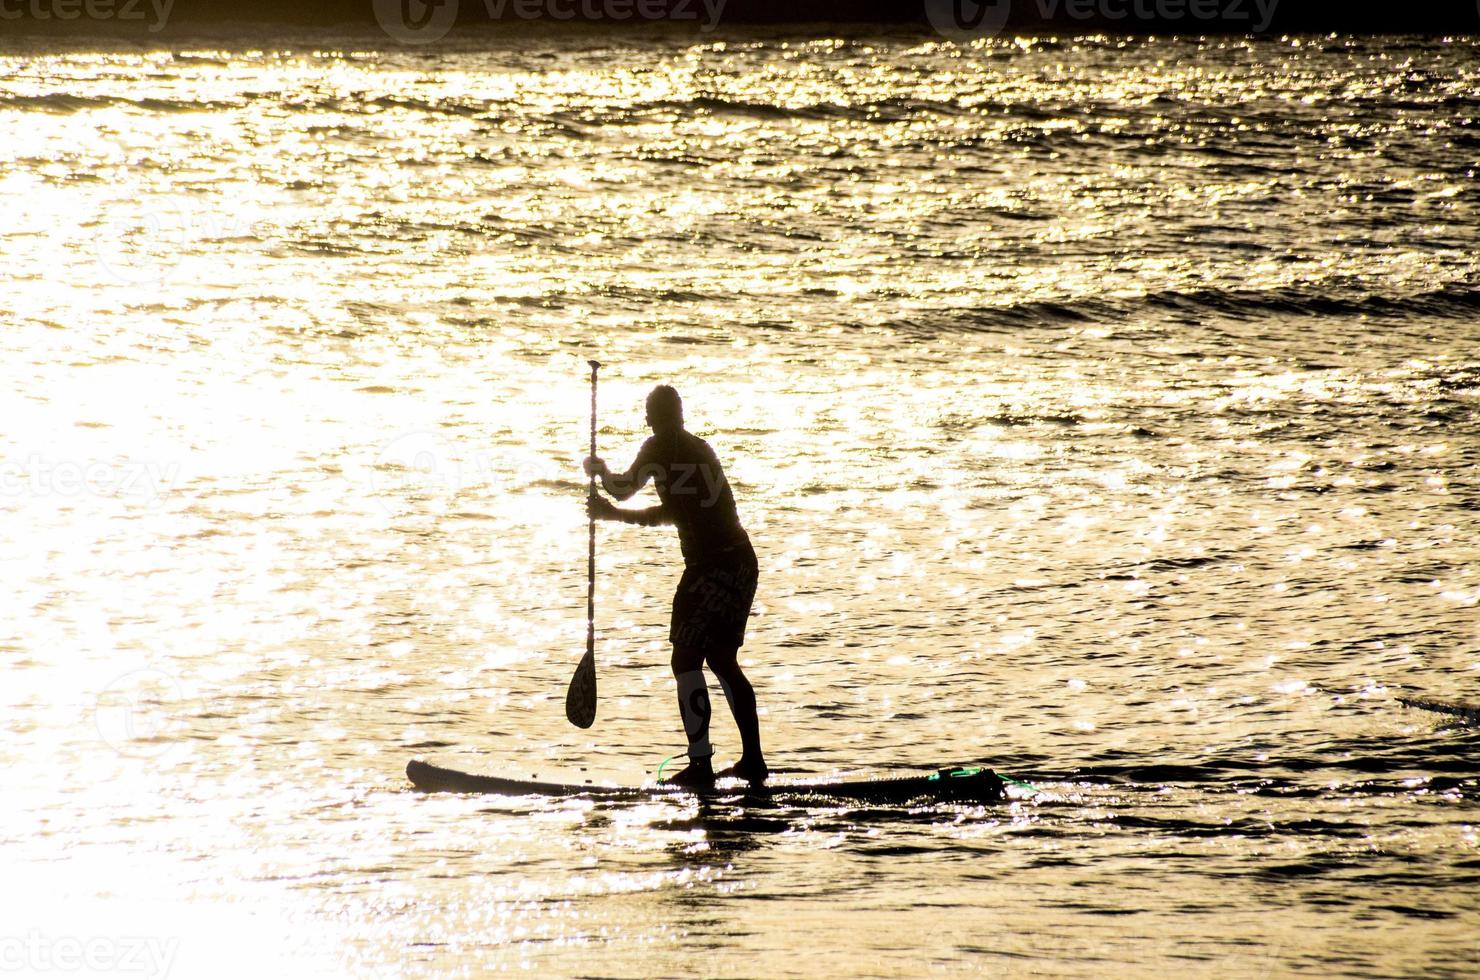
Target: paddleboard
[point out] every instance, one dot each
(953, 783)
(1463, 711)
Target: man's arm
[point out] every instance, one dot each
(624, 485)
(603, 509)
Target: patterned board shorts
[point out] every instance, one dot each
(712, 604)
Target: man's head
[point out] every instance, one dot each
(664, 409)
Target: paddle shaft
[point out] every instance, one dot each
(591, 535)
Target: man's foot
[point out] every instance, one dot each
(753, 771)
(698, 774)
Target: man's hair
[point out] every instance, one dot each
(664, 405)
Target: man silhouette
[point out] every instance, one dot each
(713, 599)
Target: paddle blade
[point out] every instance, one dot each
(580, 698)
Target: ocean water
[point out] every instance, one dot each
(1102, 410)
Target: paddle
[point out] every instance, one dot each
(580, 697)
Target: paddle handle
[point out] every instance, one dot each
(591, 534)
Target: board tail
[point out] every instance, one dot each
(1464, 712)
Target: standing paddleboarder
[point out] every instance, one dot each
(713, 599)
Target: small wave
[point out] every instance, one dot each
(58, 102)
(445, 107)
(877, 110)
(1037, 313)
(1179, 564)
(547, 484)
(1450, 302)
(181, 105)
(1016, 419)
(1459, 380)
(63, 102)
(1458, 301)
(1437, 756)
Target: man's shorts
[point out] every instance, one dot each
(713, 602)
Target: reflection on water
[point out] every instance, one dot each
(1101, 411)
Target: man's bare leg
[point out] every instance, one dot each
(741, 697)
(693, 708)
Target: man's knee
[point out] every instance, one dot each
(724, 663)
(686, 659)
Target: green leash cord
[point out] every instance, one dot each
(1018, 782)
(664, 764)
(965, 771)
